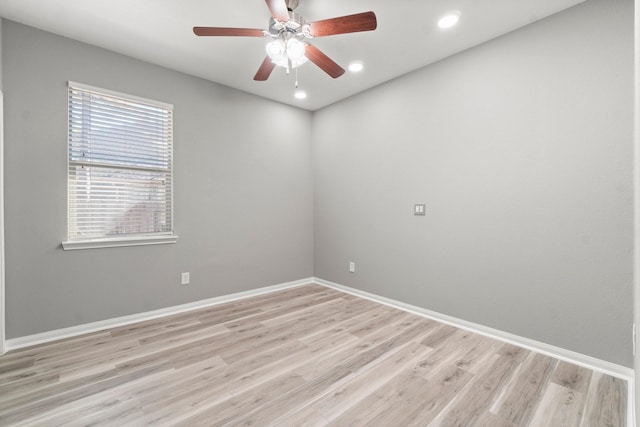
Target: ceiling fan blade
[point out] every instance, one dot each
(365, 21)
(265, 70)
(323, 61)
(221, 31)
(278, 9)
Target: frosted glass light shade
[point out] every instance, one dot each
(277, 50)
(295, 49)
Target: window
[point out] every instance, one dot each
(120, 169)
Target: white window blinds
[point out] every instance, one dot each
(120, 165)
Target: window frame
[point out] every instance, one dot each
(154, 238)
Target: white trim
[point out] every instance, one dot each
(631, 402)
(44, 337)
(117, 242)
(636, 213)
(3, 345)
(603, 366)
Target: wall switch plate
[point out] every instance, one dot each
(184, 279)
(352, 267)
(419, 210)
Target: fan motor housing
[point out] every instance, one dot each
(295, 25)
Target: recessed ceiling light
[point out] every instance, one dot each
(300, 94)
(449, 20)
(356, 67)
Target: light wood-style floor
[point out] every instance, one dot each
(305, 356)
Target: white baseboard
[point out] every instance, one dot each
(44, 337)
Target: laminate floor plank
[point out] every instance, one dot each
(336, 355)
(441, 390)
(344, 327)
(305, 417)
(365, 326)
(606, 402)
(479, 351)
(308, 312)
(184, 334)
(449, 352)
(440, 335)
(91, 410)
(513, 351)
(242, 403)
(473, 401)
(390, 405)
(24, 385)
(130, 351)
(68, 356)
(288, 307)
(154, 326)
(304, 356)
(64, 346)
(294, 398)
(560, 406)
(60, 398)
(572, 376)
(11, 366)
(335, 376)
(526, 389)
(295, 296)
(333, 404)
(288, 331)
(194, 351)
(489, 419)
(177, 380)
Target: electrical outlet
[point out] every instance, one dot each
(185, 279)
(352, 267)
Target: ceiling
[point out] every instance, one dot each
(160, 32)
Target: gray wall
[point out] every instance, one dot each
(243, 190)
(522, 151)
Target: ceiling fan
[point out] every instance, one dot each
(289, 31)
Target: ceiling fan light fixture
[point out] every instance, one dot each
(300, 94)
(449, 20)
(289, 53)
(288, 33)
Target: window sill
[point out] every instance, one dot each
(118, 242)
